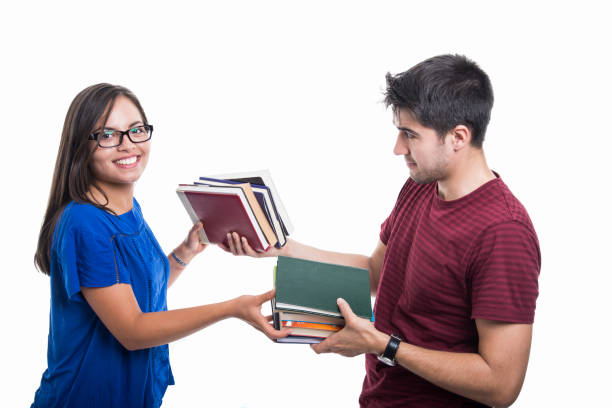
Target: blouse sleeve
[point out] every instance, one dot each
(88, 259)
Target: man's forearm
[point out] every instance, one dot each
(296, 249)
(466, 374)
(493, 376)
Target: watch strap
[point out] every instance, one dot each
(388, 356)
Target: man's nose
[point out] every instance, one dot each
(401, 147)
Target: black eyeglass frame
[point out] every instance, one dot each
(148, 129)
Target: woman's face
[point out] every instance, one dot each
(125, 163)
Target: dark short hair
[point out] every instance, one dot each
(443, 92)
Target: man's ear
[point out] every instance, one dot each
(460, 137)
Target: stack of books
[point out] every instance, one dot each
(245, 203)
(306, 295)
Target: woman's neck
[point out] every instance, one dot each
(119, 196)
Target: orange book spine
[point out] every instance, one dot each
(309, 325)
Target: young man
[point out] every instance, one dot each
(456, 269)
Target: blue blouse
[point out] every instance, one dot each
(87, 366)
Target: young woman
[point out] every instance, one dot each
(109, 323)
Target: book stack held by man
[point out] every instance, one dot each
(306, 298)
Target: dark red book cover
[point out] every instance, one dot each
(223, 213)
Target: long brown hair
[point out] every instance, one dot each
(72, 178)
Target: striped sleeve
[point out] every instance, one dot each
(504, 273)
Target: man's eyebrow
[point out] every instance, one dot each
(407, 130)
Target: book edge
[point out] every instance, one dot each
(267, 178)
(237, 192)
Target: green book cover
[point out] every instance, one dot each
(313, 287)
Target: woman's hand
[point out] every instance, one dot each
(192, 245)
(240, 246)
(192, 242)
(248, 309)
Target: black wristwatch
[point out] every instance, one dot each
(388, 357)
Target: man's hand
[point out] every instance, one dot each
(238, 245)
(357, 337)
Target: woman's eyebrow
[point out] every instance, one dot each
(129, 127)
(135, 123)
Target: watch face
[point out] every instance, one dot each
(387, 361)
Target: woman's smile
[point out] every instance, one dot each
(127, 162)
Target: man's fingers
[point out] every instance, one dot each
(322, 347)
(247, 248)
(237, 244)
(345, 309)
(230, 243)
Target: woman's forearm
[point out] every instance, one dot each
(185, 252)
(118, 309)
(157, 328)
(176, 268)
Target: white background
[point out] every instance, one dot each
(296, 88)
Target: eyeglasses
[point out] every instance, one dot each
(112, 138)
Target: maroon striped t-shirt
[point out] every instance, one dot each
(446, 264)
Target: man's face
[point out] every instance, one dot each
(426, 154)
